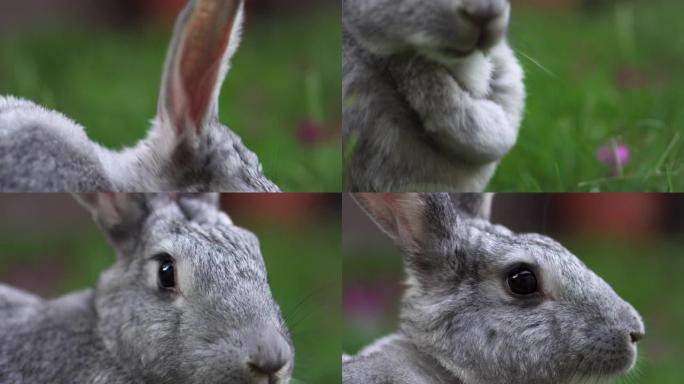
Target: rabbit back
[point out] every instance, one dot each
(42, 150)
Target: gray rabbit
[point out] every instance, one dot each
(433, 95)
(187, 148)
(187, 301)
(485, 305)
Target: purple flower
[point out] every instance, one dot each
(309, 132)
(614, 155)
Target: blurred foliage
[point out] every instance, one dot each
(285, 76)
(593, 77)
(646, 273)
(303, 263)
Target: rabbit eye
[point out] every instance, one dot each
(167, 274)
(522, 281)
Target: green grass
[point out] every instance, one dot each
(646, 273)
(303, 263)
(286, 72)
(613, 74)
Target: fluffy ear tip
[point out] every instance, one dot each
(388, 197)
(210, 198)
(473, 204)
(91, 200)
(108, 207)
(85, 198)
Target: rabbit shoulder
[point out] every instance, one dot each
(44, 151)
(55, 342)
(11, 298)
(393, 360)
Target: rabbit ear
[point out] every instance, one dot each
(418, 224)
(206, 36)
(213, 199)
(119, 215)
(203, 207)
(477, 205)
(408, 218)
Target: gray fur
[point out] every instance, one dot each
(416, 118)
(458, 321)
(187, 148)
(221, 318)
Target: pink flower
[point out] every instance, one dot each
(309, 132)
(614, 155)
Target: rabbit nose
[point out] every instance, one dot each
(635, 326)
(269, 355)
(481, 17)
(636, 336)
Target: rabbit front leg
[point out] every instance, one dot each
(477, 130)
(507, 88)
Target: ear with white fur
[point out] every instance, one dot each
(203, 207)
(476, 205)
(206, 37)
(212, 199)
(399, 215)
(119, 215)
(417, 223)
(409, 218)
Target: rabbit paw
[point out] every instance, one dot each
(474, 75)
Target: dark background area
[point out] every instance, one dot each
(27, 14)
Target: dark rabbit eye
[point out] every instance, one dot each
(522, 281)
(167, 274)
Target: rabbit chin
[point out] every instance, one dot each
(450, 57)
(593, 379)
(606, 373)
(267, 380)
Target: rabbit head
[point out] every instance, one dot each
(187, 300)
(443, 30)
(493, 306)
(188, 148)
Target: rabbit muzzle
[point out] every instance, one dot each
(270, 358)
(482, 26)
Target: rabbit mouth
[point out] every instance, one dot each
(268, 380)
(455, 52)
(483, 44)
(610, 367)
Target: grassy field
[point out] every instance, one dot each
(303, 262)
(645, 273)
(282, 94)
(612, 75)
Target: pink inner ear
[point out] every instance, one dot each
(113, 205)
(400, 215)
(207, 40)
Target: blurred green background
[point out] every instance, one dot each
(633, 241)
(50, 246)
(598, 73)
(282, 95)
